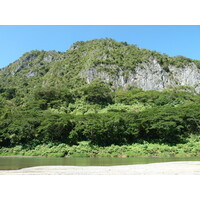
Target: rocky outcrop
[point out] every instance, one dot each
(147, 76)
(31, 74)
(34, 58)
(117, 63)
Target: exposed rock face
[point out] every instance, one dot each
(117, 63)
(29, 60)
(31, 74)
(48, 58)
(18, 69)
(147, 76)
(23, 62)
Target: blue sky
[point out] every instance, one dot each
(172, 40)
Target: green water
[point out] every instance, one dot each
(10, 163)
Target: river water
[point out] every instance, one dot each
(10, 163)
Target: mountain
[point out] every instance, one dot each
(117, 63)
(91, 95)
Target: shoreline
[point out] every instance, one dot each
(167, 168)
(107, 156)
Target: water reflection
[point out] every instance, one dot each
(23, 162)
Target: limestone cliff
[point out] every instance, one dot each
(148, 76)
(117, 63)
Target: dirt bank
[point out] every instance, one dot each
(168, 168)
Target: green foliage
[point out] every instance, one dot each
(97, 93)
(85, 149)
(55, 128)
(18, 126)
(45, 104)
(162, 125)
(53, 95)
(117, 107)
(168, 117)
(103, 129)
(8, 93)
(127, 97)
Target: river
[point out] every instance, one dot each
(12, 163)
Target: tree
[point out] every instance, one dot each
(55, 127)
(98, 93)
(54, 97)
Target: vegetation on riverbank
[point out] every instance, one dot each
(100, 116)
(121, 123)
(85, 149)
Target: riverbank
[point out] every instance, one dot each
(190, 148)
(168, 168)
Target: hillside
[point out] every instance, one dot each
(116, 63)
(100, 98)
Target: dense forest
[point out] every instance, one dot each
(62, 119)
(100, 116)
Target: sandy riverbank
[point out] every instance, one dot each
(168, 168)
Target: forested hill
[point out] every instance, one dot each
(116, 63)
(100, 91)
